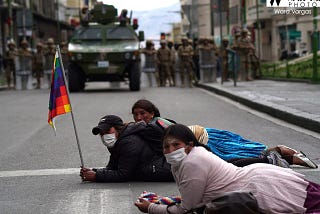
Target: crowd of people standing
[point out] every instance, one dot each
(23, 64)
(199, 60)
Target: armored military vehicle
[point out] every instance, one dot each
(105, 48)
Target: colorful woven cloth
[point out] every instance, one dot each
(154, 198)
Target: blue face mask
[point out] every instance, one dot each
(175, 157)
(109, 140)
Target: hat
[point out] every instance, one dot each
(106, 123)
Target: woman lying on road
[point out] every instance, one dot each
(227, 145)
(201, 176)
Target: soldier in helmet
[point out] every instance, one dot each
(64, 55)
(84, 15)
(185, 53)
(244, 48)
(149, 67)
(38, 63)
(49, 60)
(172, 62)
(207, 60)
(164, 60)
(24, 70)
(10, 63)
(123, 19)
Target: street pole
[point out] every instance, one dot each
(10, 19)
(315, 45)
(221, 46)
(212, 17)
(58, 22)
(244, 14)
(259, 36)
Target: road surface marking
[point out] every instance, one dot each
(39, 172)
(75, 171)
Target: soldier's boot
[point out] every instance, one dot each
(182, 79)
(156, 74)
(191, 79)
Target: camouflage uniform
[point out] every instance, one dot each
(185, 53)
(172, 63)
(149, 67)
(38, 63)
(207, 60)
(244, 46)
(24, 66)
(10, 64)
(49, 54)
(164, 60)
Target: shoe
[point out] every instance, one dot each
(275, 158)
(305, 161)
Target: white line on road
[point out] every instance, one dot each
(39, 172)
(76, 171)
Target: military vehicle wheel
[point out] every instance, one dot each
(134, 77)
(75, 80)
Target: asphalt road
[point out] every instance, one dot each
(39, 171)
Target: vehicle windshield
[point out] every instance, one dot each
(88, 34)
(121, 33)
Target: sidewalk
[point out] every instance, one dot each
(294, 102)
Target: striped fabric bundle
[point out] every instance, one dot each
(154, 198)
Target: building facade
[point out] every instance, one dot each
(281, 29)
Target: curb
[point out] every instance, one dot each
(303, 122)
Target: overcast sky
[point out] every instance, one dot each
(140, 5)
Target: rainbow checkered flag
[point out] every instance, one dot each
(59, 102)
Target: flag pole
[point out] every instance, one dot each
(74, 124)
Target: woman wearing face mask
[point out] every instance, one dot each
(229, 146)
(130, 154)
(201, 176)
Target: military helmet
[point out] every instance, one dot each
(11, 42)
(50, 41)
(225, 39)
(148, 42)
(244, 30)
(39, 44)
(24, 42)
(184, 38)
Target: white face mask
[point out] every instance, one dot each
(176, 157)
(109, 140)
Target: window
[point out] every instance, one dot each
(119, 32)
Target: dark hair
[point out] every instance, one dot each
(147, 106)
(183, 133)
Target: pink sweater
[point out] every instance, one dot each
(202, 176)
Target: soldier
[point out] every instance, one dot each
(185, 53)
(84, 15)
(24, 68)
(38, 63)
(164, 60)
(10, 63)
(64, 55)
(224, 55)
(49, 60)
(149, 67)
(123, 19)
(208, 58)
(244, 47)
(172, 62)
